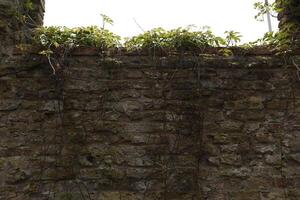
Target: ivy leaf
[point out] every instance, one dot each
(46, 52)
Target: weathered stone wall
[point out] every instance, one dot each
(144, 128)
(137, 127)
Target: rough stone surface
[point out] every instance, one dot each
(134, 127)
(144, 128)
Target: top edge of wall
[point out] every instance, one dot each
(213, 51)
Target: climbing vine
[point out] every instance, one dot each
(57, 40)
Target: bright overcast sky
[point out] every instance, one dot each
(220, 15)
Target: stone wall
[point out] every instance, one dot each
(130, 127)
(138, 127)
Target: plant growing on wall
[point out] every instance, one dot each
(180, 39)
(92, 36)
(106, 20)
(232, 38)
(52, 38)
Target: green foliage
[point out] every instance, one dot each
(21, 12)
(225, 52)
(280, 42)
(21, 18)
(232, 38)
(263, 9)
(106, 20)
(46, 53)
(154, 38)
(292, 7)
(271, 39)
(286, 39)
(180, 39)
(93, 36)
(54, 37)
(28, 5)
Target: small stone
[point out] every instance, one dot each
(109, 196)
(221, 138)
(296, 157)
(229, 148)
(86, 161)
(250, 103)
(255, 103)
(206, 189)
(231, 125)
(134, 74)
(52, 106)
(273, 159)
(17, 176)
(238, 172)
(265, 148)
(264, 137)
(231, 159)
(276, 104)
(9, 105)
(214, 160)
(128, 107)
(250, 127)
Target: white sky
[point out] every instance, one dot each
(220, 15)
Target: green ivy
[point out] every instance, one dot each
(92, 36)
(180, 39)
(28, 5)
(55, 37)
